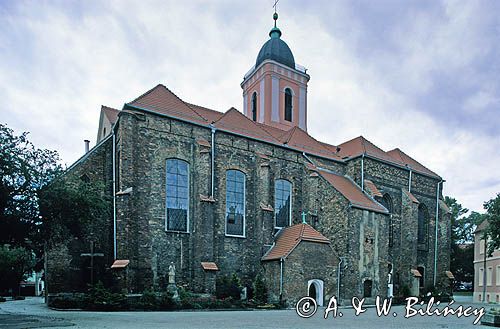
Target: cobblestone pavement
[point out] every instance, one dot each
(32, 313)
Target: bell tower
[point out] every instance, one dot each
(275, 88)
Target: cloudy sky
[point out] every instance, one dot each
(419, 75)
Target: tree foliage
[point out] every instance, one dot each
(15, 264)
(462, 238)
(24, 170)
(492, 215)
(72, 207)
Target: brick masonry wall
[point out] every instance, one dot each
(67, 270)
(145, 142)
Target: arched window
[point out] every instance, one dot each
(177, 196)
(423, 218)
(288, 104)
(254, 106)
(235, 203)
(282, 203)
(104, 132)
(386, 201)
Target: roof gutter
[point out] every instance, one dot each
(394, 164)
(209, 126)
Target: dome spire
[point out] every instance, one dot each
(275, 31)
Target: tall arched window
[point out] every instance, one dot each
(235, 203)
(423, 218)
(386, 201)
(254, 106)
(177, 203)
(288, 104)
(282, 203)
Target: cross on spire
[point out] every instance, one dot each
(275, 16)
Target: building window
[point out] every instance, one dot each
(282, 203)
(497, 277)
(480, 277)
(104, 132)
(254, 106)
(386, 201)
(489, 276)
(481, 246)
(177, 217)
(423, 219)
(235, 203)
(288, 104)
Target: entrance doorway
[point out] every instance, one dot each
(367, 288)
(315, 290)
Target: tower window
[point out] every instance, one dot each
(235, 203)
(282, 203)
(254, 106)
(288, 104)
(177, 195)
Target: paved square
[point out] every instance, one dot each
(32, 313)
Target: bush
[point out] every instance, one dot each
(101, 299)
(260, 291)
(67, 301)
(226, 287)
(149, 300)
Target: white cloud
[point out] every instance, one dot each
(59, 64)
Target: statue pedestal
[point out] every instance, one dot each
(172, 290)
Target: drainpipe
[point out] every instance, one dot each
(436, 233)
(485, 237)
(409, 180)
(363, 172)
(114, 193)
(281, 277)
(338, 278)
(213, 162)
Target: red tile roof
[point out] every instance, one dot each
(209, 266)
(372, 188)
(411, 196)
(289, 238)
(400, 156)
(235, 122)
(352, 192)
(161, 100)
(111, 113)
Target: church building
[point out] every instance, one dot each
(253, 193)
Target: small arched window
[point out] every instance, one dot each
(104, 131)
(254, 106)
(386, 201)
(235, 203)
(423, 218)
(177, 196)
(282, 203)
(288, 104)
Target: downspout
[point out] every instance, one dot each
(485, 237)
(363, 172)
(212, 162)
(281, 277)
(114, 193)
(436, 233)
(409, 180)
(338, 278)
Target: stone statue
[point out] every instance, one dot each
(171, 287)
(171, 273)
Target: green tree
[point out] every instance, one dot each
(492, 215)
(15, 264)
(462, 237)
(24, 170)
(72, 207)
